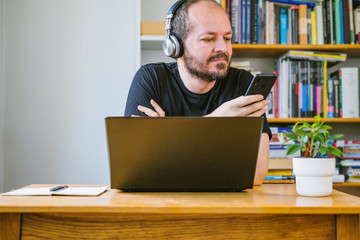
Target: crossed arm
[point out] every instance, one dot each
(253, 105)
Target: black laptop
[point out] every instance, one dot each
(183, 153)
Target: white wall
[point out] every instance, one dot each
(67, 65)
(1, 95)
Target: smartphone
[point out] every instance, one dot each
(261, 84)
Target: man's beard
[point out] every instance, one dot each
(199, 69)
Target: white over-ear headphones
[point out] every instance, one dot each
(172, 44)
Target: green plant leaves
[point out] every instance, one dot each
(292, 148)
(311, 139)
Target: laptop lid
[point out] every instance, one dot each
(183, 153)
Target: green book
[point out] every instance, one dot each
(337, 21)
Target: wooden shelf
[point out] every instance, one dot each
(267, 50)
(347, 184)
(328, 120)
(263, 50)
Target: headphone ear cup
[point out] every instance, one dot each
(179, 48)
(172, 46)
(168, 46)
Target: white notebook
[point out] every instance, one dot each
(45, 191)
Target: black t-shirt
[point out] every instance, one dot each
(162, 82)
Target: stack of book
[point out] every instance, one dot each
(351, 169)
(302, 85)
(280, 165)
(277, 146)
(280, 171)
(350, 165)
(294, 22)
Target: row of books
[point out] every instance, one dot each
(343, 90)
(304, 90)
(293, 21)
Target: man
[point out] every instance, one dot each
(201, 82)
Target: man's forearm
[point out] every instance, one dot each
(262, 165)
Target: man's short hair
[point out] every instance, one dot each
(180, 24)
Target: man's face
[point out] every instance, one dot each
(208, 47)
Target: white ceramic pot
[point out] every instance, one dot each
(313, 176)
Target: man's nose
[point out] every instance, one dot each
(221, 45)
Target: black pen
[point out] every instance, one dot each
(57, 188)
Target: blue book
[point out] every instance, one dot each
(342, 34)
(243, 21)
(294, 2)
(248, 21)
(283, 26)
(275, 177)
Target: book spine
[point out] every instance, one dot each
(254, 25)
(319, 24)
(346, 21)
(309, 25)
(351, 18)
(357, 24)
(325, 22)
(341, 11)
(337, 21)
(235, 21)
(248, 21)
(267, 22)
(243, 21)
(330, 21)
(336, 95)
(303, 39)
(330, 98)
(324, 89)
(283, 25)
(313, 28)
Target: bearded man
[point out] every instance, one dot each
(201, 81)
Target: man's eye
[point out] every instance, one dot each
(208, 39)
(227, 39)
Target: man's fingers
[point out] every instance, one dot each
(258, 113)
(149, 112)
(157, 108)
(243, 101)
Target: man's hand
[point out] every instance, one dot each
(252, 105)
(150, 112)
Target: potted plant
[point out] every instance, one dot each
(314, 170)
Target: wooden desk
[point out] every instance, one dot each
(266, 212)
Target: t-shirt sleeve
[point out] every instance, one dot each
(140, 93)
(266, 127)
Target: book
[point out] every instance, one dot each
(270, 177)
(313, 28)
(350, 86)
(280, 163)
(319, 23)
(280, 172)
(283, 26)
(315, 55)
(303, 24)
(45, 191)
(337, 21)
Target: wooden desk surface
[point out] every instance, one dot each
(267, 212)
(266, 199)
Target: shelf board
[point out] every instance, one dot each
(154, 42)
(347, 184)
(151, 42)
(275, 50)
(329, 120)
